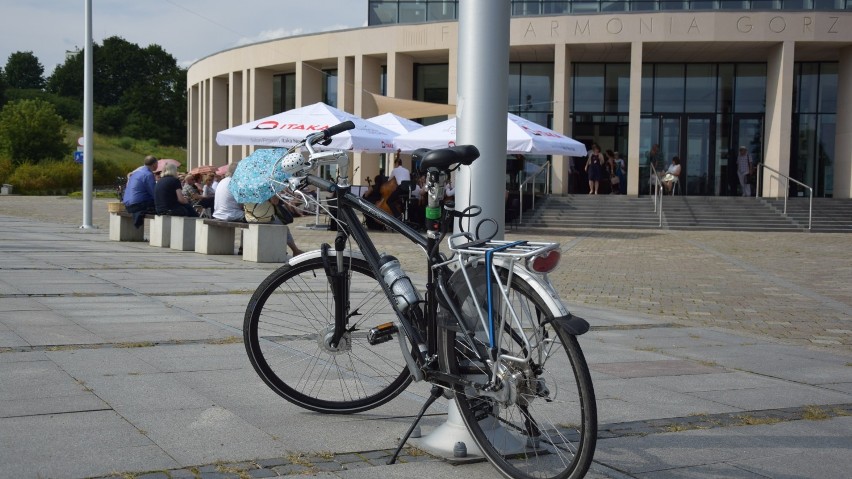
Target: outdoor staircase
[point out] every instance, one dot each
(688, 213)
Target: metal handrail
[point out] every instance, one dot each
(544, 168)
(786, 190)
(657, 192)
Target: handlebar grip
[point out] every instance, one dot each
(321, 183)
(339, 128)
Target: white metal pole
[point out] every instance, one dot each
(88, 130)
(483, 71)
(483, 84)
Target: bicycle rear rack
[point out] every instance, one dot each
(504, 255)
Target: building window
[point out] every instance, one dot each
(329, 87)
(431, 84)
(382, 12)
(283, 92)
(812, 147)
(531, 91)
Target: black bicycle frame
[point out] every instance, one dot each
(345, 214)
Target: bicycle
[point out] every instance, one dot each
(489, 328)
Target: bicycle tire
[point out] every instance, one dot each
(286, 322)
(559, 440)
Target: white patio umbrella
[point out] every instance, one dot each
(395, 123)
(522, 136)
(287, 128)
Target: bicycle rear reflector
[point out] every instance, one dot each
(545, 263)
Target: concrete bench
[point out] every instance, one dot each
(183, 233)
(160, 233)
(121, 227)
(262, 242)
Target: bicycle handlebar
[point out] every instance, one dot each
(321, 183)
(325, 135)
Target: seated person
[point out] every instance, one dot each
(192, 191)
(672, 174)
(139, 193)
(225, 207)
(168, 195)
(208, 190)
(266, 212)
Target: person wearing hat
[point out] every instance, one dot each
(743, 169)
(139, 194)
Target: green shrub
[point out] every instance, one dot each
(106, 171)
(31, 131)
(46, 177)
(6, 169)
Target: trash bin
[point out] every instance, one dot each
(6, 189)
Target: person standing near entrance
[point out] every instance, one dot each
(594, 167)
(743, 169)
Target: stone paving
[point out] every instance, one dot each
(713, 354)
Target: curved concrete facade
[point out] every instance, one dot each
(235, 86)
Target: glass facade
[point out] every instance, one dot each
(430, 84)
(283, 92)
(531, 97)
(814, 127)
(699, 112)
(329, 87)
(382, 12)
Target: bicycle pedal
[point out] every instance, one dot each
(381, 333)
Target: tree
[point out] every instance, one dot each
(32, 131)
(67, 78)
(2, 88)
(23, 70)
(137, 92)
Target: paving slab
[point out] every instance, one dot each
(159, 380)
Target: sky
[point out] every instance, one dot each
(187, 29)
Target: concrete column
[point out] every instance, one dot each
(346, 90)
(452, 74)
(368, 78)
(235, 114)
(309, 80)
(779, 117)
(483, 71)
(634, 120)
(219, 116)
(843, 139)
(203, 108)
(561, 115)
(260, 94)
(400, 76)
(193, 156)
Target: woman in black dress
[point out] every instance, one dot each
(594, 167)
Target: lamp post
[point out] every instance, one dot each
(88, 133)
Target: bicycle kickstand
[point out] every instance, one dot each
(435, 393)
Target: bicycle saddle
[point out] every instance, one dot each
(444, 157)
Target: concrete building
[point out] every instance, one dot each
(697, 78)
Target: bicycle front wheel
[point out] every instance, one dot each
(540, 421)
(287, 327)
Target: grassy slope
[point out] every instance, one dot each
(127, 152)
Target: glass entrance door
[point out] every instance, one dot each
(692, 139)
(697, 176)
(748, 132)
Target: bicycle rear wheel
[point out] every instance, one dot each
(286, 329)
(542, 421)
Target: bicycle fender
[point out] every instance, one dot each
(541, 285)
(318, 253)
(573, 325)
